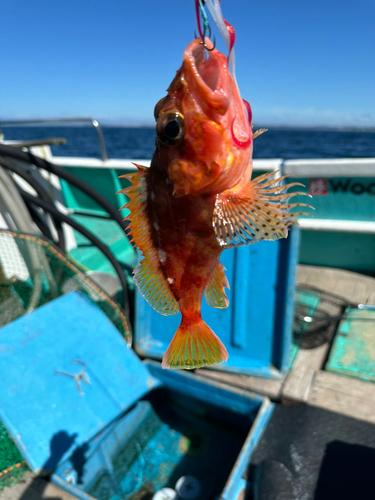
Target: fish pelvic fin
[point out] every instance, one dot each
(148, 276)
(194, 345)
(259, 211)
(214, 292)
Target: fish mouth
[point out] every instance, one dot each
(209, 76)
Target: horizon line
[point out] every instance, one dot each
(105, 123)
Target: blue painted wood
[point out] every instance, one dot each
(239, 401)
(256, 328)
(44, 412)
(287, 270)
(87, 439)
(104, 470)
(237, 484)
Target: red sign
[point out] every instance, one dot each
(318, 187)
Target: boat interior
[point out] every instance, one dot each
(310, 358)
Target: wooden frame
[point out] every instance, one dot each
(306, 381)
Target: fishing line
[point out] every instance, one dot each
(200, 11)
(229, 35)
(226, 30)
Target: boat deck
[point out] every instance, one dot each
(308, 453)
(354, 287)
(305, 383)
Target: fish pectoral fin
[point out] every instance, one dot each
(259, 211)
(214, 292)
(148, 276)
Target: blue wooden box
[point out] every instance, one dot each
(256, 328)
(124, 428)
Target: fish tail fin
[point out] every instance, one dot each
(194, 345)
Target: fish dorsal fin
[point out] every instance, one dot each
(215, 293)
(257, 212)
(259, 132)
(148, 276)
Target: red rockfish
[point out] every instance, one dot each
(196, 200)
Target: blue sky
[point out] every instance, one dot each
(298, 62)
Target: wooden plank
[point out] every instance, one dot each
(351, 286)
(32, 487)
(263, 386)
(344, 395)
(310, 357)
(348, 385)
(297, 384)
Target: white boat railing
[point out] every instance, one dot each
(300, 169)
(337, 226)
(346, 167)
(341, 167)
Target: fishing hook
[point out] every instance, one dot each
(206, 26)
(203, 42)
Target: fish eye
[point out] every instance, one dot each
(170, 128)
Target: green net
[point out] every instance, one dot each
(12, 464)
(32, 273)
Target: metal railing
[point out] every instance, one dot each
(94, 123)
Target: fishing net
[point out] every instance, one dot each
(12, 464)
(32, 273)
(316, 317)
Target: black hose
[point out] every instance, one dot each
(102, 247)
(43, 194)
(27, 157)
(43, 228)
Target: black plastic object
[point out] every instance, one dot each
(311, 454)
(45, 203)
(42, 194)
(20, 155)
(78, 227)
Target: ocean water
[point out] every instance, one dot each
(138, 143)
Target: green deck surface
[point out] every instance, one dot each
(109, 232)
(353, 349)
(105, 180)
